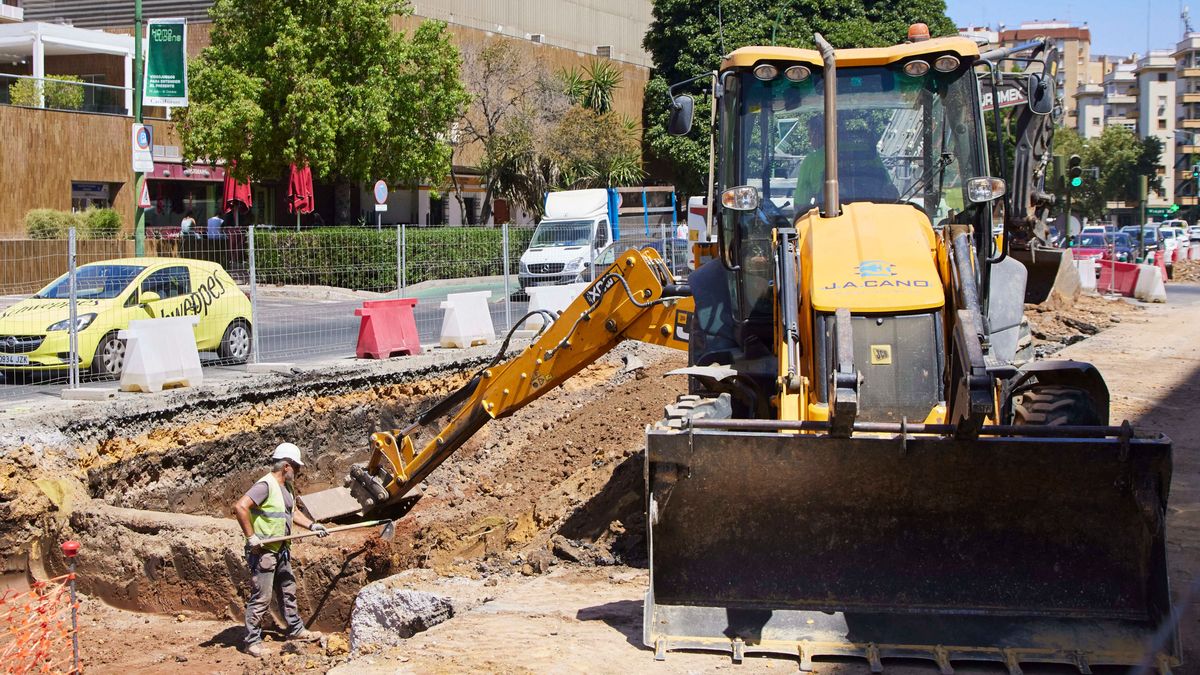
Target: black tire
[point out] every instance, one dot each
(109, 360)
(236, 343)
(1054, 406)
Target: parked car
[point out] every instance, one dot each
(1152, 239)
(1194, 233)
(1091, 245)
(1107, 230)
(1122, 247)
(34, 333)
(1172, 237)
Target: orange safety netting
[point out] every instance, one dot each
(35, 628)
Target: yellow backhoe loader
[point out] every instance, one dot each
(860, 470)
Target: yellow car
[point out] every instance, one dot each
(34, 333)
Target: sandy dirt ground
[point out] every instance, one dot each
(545, 548)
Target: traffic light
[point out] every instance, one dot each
(1074, 171)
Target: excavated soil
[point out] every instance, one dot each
(1055, 326)
(1185, 271)
(559, 480)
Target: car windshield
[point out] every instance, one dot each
(94, 282)
(1122, 239)
(1093, 241)
(562, 233)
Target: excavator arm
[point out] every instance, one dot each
(634, 299)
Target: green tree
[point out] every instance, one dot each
(686, 39)
(328, 84)
(1118, 156)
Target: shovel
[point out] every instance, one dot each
(389, 531)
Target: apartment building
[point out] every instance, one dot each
(1089, 110)
(1155, 75)
(1187, 120)
(1121, 97)
(1073, 44)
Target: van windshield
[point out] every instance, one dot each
(552, 233)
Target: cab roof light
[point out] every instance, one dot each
(765, 71)
(946, 63)
(916, 68)
(797, 73)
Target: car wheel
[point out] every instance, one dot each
(109, 361)
(236, 343)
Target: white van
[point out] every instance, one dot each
(577, 226)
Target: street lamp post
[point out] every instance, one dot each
(139, 183)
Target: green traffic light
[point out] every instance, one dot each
(1076, 181)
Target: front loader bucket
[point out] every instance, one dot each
(1009, 549)
(1051, 270)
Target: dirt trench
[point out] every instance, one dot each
(561, 479)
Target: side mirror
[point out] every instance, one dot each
(147, 297)
(985, 189)
(1040, 93)
(680, 121)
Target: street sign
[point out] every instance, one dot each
(144, 200)
(166, 63)
(142, 144)
(381, 195)
(1157, 211)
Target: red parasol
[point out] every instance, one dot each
(300, 192)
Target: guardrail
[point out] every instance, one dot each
(58, 93)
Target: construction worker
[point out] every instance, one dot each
(268, 510)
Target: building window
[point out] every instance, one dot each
(1162, 124)
(437, 211)
(1162, 101)
(471, 204)
(1162, 77)
(1096, 121)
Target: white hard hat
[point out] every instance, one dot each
(288, 451)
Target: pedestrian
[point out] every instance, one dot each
(214, 226)
(268, 510)
(187, 225)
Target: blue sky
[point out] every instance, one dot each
(1118, 27)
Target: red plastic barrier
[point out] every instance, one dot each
(388, 329)
(1117, 277)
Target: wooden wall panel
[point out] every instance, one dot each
(44, 150)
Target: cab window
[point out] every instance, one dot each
(168, 282)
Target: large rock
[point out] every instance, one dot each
(385, 615)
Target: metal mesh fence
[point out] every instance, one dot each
(264, 294)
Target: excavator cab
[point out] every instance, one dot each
(863, 466)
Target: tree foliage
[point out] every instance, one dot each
(687, 39)
(536, 131)
(328, 84)
(1120, 157)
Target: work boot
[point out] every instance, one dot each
(306, 635)
(257, 650)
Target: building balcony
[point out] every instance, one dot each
(1190, 149)
(1119, 99)
(1187, 201)
(10, 13)
(1190, 97)
(1189, 123)
(1193, 71)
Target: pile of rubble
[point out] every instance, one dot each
(1054, 326)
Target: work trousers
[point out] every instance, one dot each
(271, 574)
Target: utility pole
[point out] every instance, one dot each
(1074, 180)
(139, 182)
(1142, 189)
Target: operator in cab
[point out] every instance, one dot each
(267, 510)
(862, 175)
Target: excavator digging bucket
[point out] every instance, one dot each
(1003, 548)
(1051, 270)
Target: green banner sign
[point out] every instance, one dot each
(166, 63)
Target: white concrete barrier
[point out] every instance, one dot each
(1194, 252)
(1087, 275)
(161, 353)
(1151, 286)
(553, 299)
(468, 320)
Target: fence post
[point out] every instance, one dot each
(507, 293)
(73, 312)
(256, 324)
(70, 549)
(403, 257)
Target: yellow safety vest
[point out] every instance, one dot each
(272, 518)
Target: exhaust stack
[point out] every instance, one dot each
(833, 206)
